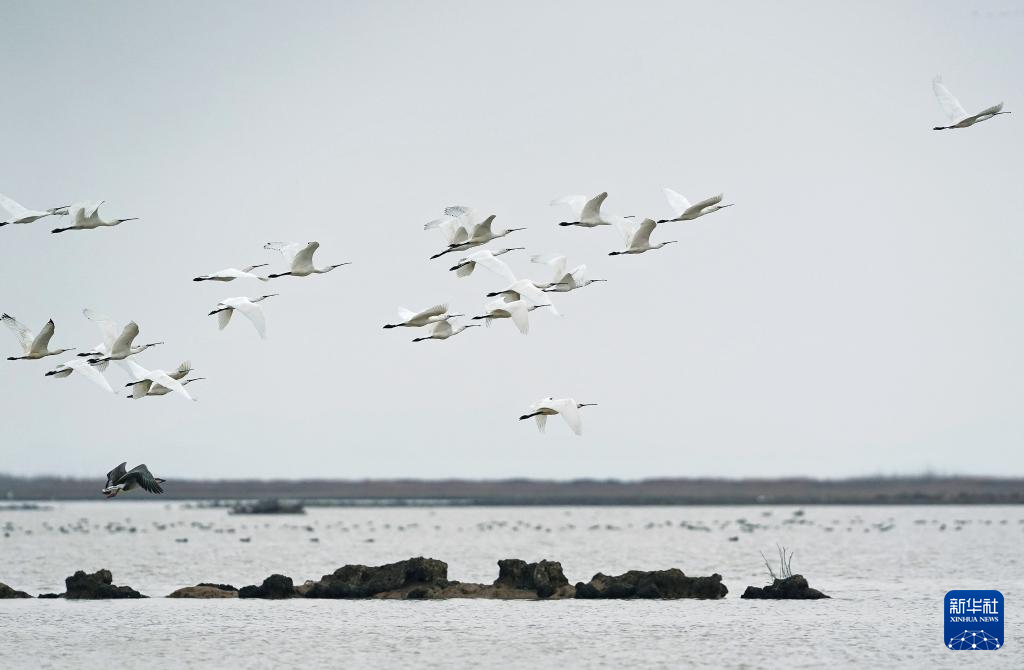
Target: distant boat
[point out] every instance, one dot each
(268, 506)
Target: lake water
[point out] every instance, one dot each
(886, 568)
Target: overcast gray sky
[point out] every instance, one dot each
(858, 311)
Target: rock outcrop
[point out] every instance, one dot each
(206, 590)
(8, 592)
(667, 584)
(791, 588)
(96, 586)
(414, 578)
(274, 587)
(544, 578)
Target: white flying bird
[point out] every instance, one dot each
(231, 274)
(249, 309)
(157, 390)
(457, 223)
(563, 281)
(684, 211)
(638, 239)
(567, 408)
(122, 346)
(587, 212)
(524, 289)
(160, 377)
(19, 214)
(486, 259)
(85, 369)
(481, 234)
(143, 387)
(443, 330)
(86, 216)
(34, 346)
(518, 311)
(958, 118)
(411, 319)
(300, 257)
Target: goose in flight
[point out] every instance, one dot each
(142, 386)
(300, 258)
(231, 274)
(958, 118)
(158, 390)
(19, 214)
(85, 369)
(587, 212)
(563, 281)
(86, 216)
(457, 223)
(567, 408)
(486, 259)
(481, 234)
(249, 309)
(122, 347)
(443, 330)
(411, 319)
(139, 477)
(161, 377)
(34, 346)
(518, 311)
(684, 211)
(638, 239)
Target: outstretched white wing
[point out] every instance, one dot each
(442, 328)
(124, 341)
(251, 311)
(16, 210)
(567, 409)
(42, 341)
(704, 204)
(950, 105)
(25, 336)
(533, 295)
(483, 228)
(436, 310)
(592, 210)
(677, 201)
(163, 379)
(642, 237)
(106, 325)
(286, 249)
(520, 315)
(303, 260)
(224, 318)
(82, 367)
(496, 265)
(555, 261)
(574, 202)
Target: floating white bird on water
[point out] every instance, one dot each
(161, 377)
(638, 239)
(85, 369)
(231, 274)
(518, 311)
(563, 281)
(22, 215)
(411, 319)
(684, 211)
(443, 330)
(588, 211)
(143, 387)
(481, 234)
(34, 346)
(300, 258)
(567, 408)
(139, 477)
(86, 216)
(958, 118)
(487, 259)
(249, 309)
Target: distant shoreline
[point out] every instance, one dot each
(924, 490)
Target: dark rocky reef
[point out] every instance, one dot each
(206, 590)
(790, 588)
(274, 587)
(414, 578)
(8, 592)
(545, 578)
(668, 584)
(97, 586)
(269, 506)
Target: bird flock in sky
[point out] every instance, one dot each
(464, 230)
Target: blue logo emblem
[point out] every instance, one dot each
(973, 620)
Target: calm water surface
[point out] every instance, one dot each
(887, 569)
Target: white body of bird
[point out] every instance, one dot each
(563, 281)
(231, 274)
(23, 215)
(481, 234)
(684, 211)
(486, 259)
(86, 216)
(143, 387)
(958, 118)
(249, 309)
(300, 259)
(85, 369)
(443, 330)
(638, 239)
(160, 377)
(34, 346)
(457, 224)
(411, 319)
(587, 212)
(524, 289)
(518, 312)
(122, 346)
(567, 408)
